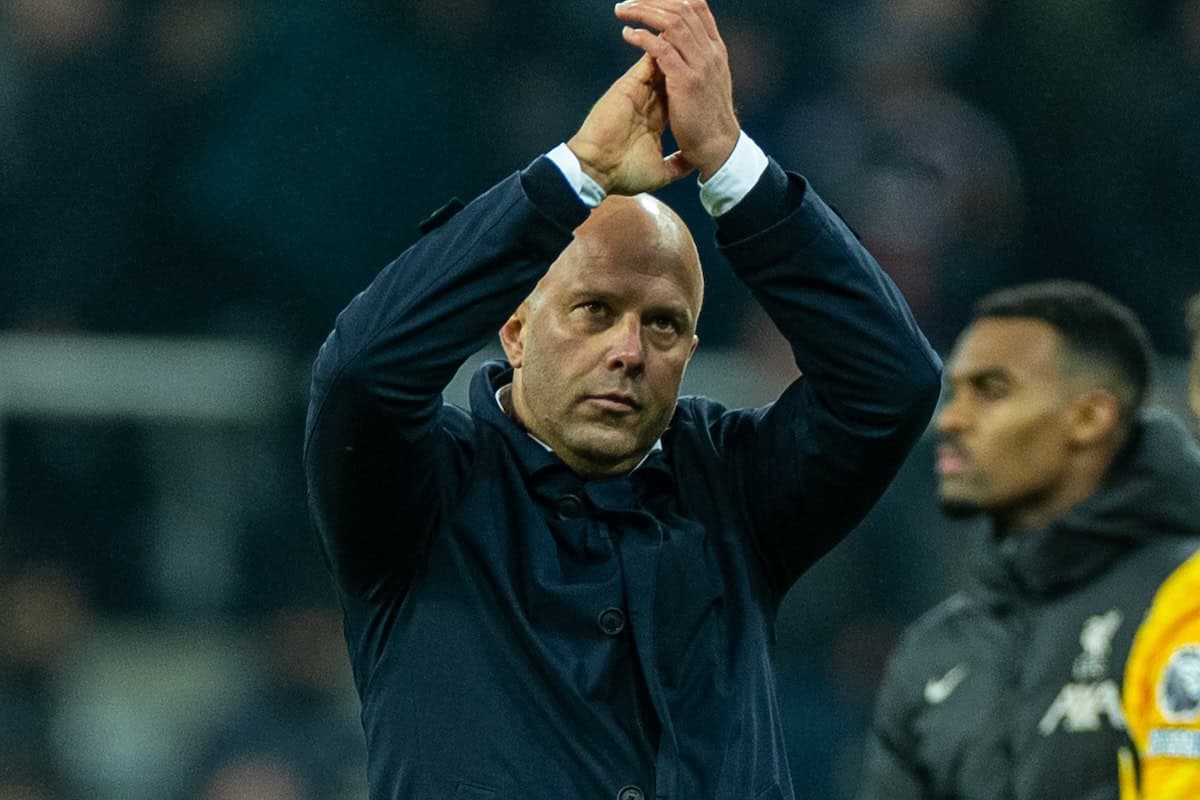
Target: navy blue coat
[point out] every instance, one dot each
(516, 631)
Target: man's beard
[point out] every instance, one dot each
(958, 508)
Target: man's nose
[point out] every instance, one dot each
(626, 351)
(951, 418)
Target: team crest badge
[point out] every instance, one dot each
(1179, 688)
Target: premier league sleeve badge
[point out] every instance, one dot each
(1179, 687)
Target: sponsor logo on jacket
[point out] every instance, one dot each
(1090, 698)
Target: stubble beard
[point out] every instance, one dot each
(960, 508)
(957, 509)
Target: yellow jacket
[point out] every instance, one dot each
(1161, 695)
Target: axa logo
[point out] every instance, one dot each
(1083, 707)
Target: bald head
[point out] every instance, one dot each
(641, 216)
(640, 234)
(599, 347)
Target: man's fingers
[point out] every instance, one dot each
(658, 14)
(707, 21)
(644, 14)
(695, 63)
(683, 30)
(662, 51)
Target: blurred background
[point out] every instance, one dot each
(191, 189)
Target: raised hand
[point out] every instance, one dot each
(620, 142)
(689, 53)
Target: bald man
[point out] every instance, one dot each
(569, 590)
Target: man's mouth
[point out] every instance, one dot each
(616, 402)
(950, 460)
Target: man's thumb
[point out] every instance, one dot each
(644, 70)
(677, 166)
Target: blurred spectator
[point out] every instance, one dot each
(1101, 100)
(79, 130)
(320, 163)
(930, 182)
(43, 614)
(102, 533)
(74, 142)
(261, 778)
(1140, 154)
(296, 738)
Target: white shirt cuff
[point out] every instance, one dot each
(568, 164)
(736, 177)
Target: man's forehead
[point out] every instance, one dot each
(1012, 345)
(630, 281)
(616, 255)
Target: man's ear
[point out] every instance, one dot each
(691, 352)
(1095, 416)
(512, 336)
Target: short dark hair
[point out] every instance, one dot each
(1097, 330)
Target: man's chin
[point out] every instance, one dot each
(610, 452)
(960, 508)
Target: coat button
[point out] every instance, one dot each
(568, 506)
(630, 793)
(611, 621)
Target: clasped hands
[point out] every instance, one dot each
(681, 80)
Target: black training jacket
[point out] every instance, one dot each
(1011, 690)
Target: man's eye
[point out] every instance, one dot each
(593, 307)
(664, 324)
(992, 390)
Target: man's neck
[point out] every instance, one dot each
(1040, 512)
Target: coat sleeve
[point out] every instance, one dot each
(890, 768)
(383, 458)
(813, 463)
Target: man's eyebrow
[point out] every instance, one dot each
(579, 291)
(980, 375)
(681, 310)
